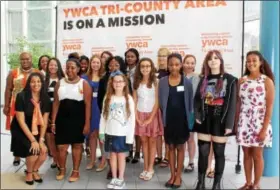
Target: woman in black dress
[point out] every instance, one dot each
(54, 73)
(29, 126)
(71, 117)
(176, 103)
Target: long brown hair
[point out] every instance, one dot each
(89, 71)
(206, 71)
(264, 68)
(138, 76)
(111, 91)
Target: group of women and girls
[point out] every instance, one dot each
(117, 102)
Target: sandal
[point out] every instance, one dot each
(90, 166)
(255, 187)
(143, 174)
(164, 163)
(157, 161)
(60, 176)
(246, 187)
(189, 168)
(73, 179)
(149, 176)
(40, 180)
(211, 174)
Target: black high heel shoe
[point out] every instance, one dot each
(37, 180)
(29, 182)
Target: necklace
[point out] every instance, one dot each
(26, 71)
(73, 81)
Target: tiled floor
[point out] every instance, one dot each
(13, 177)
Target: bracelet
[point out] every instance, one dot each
(34, 140)
(42, 139)
(52, 124)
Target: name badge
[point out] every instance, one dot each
(180, 89)
(94, 94)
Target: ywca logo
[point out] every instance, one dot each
(71, 47)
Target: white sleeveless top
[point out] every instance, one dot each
(71, 91)
(146, 98)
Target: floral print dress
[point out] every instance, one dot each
(252, 113)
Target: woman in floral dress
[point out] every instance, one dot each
(256, 95)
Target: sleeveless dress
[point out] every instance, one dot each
(70, 119)
(19, 81)
(95, 112)
(145, 105)
(176, 131)
(252, 113)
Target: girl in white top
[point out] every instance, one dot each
(117, 126)
(148, 121)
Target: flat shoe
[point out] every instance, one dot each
(100, 169)
(53, 165)
(177, 186)
(16, 162)
(168, 185)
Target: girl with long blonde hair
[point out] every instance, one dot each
(117, 126)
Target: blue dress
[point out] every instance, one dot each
(95, 112)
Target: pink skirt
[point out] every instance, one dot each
(154, 129)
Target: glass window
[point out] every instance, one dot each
(13, 48)
(252, 10)
(32, 4)
(39, 24)
(68, 2)
(15, 25)
(251, 35)
(14, 4)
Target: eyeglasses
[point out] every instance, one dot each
(145, 66)
(118, 81)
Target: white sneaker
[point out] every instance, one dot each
(112, 183)
(119, 184)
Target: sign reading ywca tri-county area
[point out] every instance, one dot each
(185, 27)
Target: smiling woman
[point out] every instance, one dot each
(29, 126)
(71, 117)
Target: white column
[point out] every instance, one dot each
(4, 65)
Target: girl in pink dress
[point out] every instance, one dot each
(148, 121)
